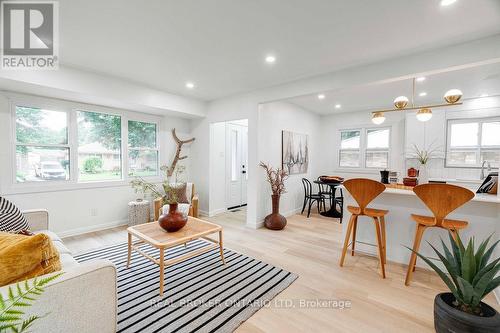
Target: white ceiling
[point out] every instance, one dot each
(220, 44)
(473, 82)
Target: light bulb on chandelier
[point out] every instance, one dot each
(378, 118)
(424, 114)
(452, 96)
(401, 102)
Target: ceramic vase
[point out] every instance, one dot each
(174, 220)
(423, 177)
(275, 221)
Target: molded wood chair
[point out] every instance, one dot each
(364, 191)
(441, 199)
(310, 197)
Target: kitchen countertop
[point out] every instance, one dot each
(407, 190)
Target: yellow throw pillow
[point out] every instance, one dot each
(24, 257)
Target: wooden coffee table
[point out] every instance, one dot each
(151, 233)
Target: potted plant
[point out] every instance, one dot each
(472, 276)
(173, 220)
(13, 307)
(423, 156)
(276, 178)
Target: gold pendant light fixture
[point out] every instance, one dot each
(424, 113)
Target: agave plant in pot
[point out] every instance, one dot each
(276, 178)
(472, 276)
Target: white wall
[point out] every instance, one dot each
(274, 118)
(71, 209)
(228, 109)
(330, 130)
(93, 88)
(217, 198)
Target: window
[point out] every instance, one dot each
(350, 148)
(42, 150)
(377, 148)
(143, 150)
(99, 146)
(234, 155)
(58, 144)
(470, 142)
(364, 147)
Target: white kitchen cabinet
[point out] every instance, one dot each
(429, 134)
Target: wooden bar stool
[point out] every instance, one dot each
(364, 191)
(441, 199)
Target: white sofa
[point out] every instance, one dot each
(83, 299)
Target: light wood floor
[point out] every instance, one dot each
(311, 249)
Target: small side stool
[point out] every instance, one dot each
(138, 212)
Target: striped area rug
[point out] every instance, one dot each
(201, 294)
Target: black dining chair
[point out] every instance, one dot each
(339, 200)
(310, 197)
(326, 191)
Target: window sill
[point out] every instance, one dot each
(357, 170)
(28, 188)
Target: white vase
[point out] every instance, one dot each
(423, 177)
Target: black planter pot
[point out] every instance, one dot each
(448, 319)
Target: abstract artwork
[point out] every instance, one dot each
(294, 152)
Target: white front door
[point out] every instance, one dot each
(236, 165)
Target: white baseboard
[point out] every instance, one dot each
(92, 228)
(214, 212)
(289, 213)
(255, 226)
(292, 212)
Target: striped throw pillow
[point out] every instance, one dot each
(11, 218)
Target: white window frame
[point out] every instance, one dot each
(11, 186)
(477, 149)
(157, 145)
(360, 149)
(123, 145)
(363, 144)
(67, 145)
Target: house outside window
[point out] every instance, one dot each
(42, 146)
(99, 146)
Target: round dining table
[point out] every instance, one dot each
(333, 212)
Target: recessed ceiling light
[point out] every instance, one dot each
(483, 95)
(420, 79)
(447, 2)
(190, 85)
(422, 94)
(338, 106)
(270, 59)
(321, 96)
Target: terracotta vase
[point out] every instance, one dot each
(172, 221)
(275, 221)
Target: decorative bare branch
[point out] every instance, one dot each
(276, 178)
(178, 156)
